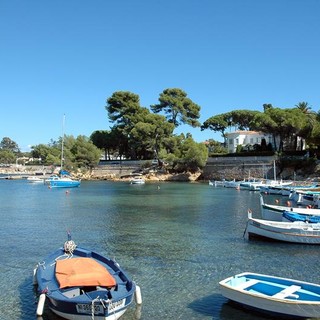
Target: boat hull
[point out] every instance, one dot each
(268, 294)
(84, 301)
(299, 232)
(70, 312)
(64, 184)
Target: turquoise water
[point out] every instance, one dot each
(177, 243)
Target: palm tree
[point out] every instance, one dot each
(304, 107)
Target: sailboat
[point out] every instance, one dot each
(63, 179)
(274, 186)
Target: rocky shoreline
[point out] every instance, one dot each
(19, 173)
(112, 173)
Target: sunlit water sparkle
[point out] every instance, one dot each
(176, 242)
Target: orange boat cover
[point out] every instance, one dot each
(82, 272)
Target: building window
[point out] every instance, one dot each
(230, 141)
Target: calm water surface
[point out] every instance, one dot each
(177, 243)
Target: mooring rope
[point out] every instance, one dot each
(69, 247)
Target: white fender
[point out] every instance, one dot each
(41, 302)
(34, 279)
(138, 295)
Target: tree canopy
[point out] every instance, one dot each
(177, 107)
(283, 124)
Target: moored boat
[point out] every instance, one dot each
(79, 283)
(35, 179)
(274, 295)
(294, 232)
(63, 180)
(275, 212)
(137, 180)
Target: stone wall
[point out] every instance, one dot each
(238, 168)
(216, 168)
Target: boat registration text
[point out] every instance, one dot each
(87, 308)
(114, 306)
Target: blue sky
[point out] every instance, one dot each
(67, 57)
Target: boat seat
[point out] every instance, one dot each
(287, 292)
(247, 284)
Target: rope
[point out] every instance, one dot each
(69, 246)
(92, 306)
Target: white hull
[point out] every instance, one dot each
(114, 316)
(272, 305)
(295, 232)
(137, 181)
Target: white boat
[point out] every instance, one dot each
(137, 180)
(35, 179)
(288, 190)
(225, 183)
(295, 232)
(274, 212)
(303, 195)
(275, 186)
(274, 295)
(232, 184)
(250, 184)
(217, 183)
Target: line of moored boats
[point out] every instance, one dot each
(298, 221)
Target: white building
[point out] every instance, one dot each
(245, 138)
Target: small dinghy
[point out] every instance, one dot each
(273, 295)
(81, 284)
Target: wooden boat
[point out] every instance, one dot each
(225, 183)
(275, 212)
(288, 190)
(275, 187)
(304, 196)
(81, 284)
(295, 232)
(250, 183)
(274, 295)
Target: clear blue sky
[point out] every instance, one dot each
(68, 56)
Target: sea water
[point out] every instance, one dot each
(176, 240)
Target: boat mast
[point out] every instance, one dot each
(62, 142)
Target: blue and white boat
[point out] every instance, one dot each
(78, 283)
(63, 180)
(294, 232)
(273, 295)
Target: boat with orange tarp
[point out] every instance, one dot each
(82, 284)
